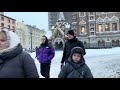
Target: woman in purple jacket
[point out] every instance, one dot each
(45, 54)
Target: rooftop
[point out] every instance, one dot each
(7, 17)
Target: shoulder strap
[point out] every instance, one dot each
(75, 69)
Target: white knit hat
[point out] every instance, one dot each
(13, 40)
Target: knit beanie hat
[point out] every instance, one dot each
(71, 32)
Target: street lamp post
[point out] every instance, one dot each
(31, 39)
(89, 40)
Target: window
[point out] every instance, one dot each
(107, 27)
(2, 18)
(82, 29)
(8, 20)
(114, 26)
(73, 26)
(82, 13)
(92, 33)
(2, 24)
(91, 17)
(92, 25)
(92, 29)
(101, 44)
(13, 22)
(113, 43)
(100, 28)
(13, 27)
(8, 26)
(91, 13)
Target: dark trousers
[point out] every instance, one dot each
(45, 69)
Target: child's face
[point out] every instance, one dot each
(76, 57)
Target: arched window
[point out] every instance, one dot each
(114, 26)
(103, 43)
(100, 28)
(107, 27)
(99, 42)
(113, 43)
(85, 44)
(117, 42)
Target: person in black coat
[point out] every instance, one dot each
(75, 67)
(14, 63)
(36, 51)
(71, 43)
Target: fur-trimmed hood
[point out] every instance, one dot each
(12, 39)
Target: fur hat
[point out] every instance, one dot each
(78, 50)
(71, 32)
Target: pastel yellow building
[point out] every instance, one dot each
(21, 32)
(25, 32)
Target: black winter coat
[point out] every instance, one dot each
(17, 64)
(75, 70)
(68, 47)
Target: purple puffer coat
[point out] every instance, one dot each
(45, 54)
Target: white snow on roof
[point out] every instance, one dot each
(67, 26)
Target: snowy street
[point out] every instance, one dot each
(104, 63)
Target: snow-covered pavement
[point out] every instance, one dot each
(104, 63)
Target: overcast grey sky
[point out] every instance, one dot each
(40, 19)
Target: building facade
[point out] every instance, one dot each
(97, 29)
(7, 22)
(21, 32)
(28, 33)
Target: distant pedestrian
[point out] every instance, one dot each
(36, 50)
